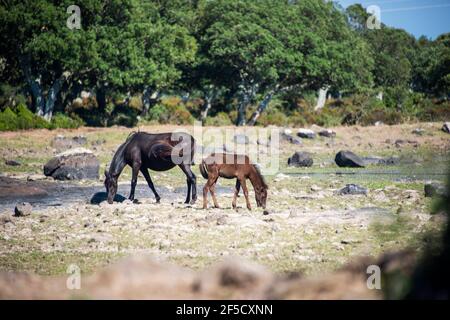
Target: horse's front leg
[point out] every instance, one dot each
(135, 171)
(244, 188)
(150, 183)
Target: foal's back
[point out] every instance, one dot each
(229, 165)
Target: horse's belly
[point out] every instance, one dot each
(160, 166)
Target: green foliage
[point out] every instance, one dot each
(165, 113)
(220, 119)
(61, 120)
(23, 119)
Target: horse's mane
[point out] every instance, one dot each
(118, 158)
(258, 172)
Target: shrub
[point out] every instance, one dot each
(273, 116)
(8, 120)
(220, 119)
(61, 120)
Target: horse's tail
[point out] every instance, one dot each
(203, 169)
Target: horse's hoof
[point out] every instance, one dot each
(158, 200)
(192, 201)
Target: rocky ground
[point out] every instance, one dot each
(310, 228)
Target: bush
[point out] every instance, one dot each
(22, 119)
(220, 119)
(8, 120)
(170, 113)
(273, 116)
(63, 121)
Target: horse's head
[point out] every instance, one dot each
(111, 186)
(261, 196)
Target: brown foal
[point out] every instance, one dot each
(231, 166)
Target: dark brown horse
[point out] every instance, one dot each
(231, 166)
(158, 152)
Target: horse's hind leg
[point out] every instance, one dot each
(150, 183)
(236, 193)
(191, 181)
(135, 171)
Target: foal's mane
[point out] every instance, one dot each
(261, 177)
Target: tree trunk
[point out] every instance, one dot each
(322, 98)
(380, 96)
(242, 108)
(149, 97)
(209, 96)
(261, 107)
(52, 95)
(34, 84)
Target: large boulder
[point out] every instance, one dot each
(301, 159)
(306, 133)
(75, 164)
(446, 127)
(347, 158)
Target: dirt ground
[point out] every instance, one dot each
(310, 229)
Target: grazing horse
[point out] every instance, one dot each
(231, 166)
(158, 152)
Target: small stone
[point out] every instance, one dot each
(222, 220)
(301, 159)
(5, 218)
(418, 131)
(327, 133)
(446, 127)
(13, 163)
(353, 189)
(23, 209)
(266, 212)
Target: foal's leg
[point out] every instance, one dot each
(212, 188)
(191, 181)
(244, 188)
(150, 183)
(212, 178)
(236, 193)
(135, 171)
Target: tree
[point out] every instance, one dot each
(123, 46)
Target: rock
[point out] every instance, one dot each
(378, 123)
(347, 158)
(435, 189)
(306, 133)
(222, 220)
(281, 176)
(289, 138)
(12, 163)
(23, 209)
(73, 164)
(266, 212)
(5, 218)
(327, 133)
(301, 159)
(418, 131)
(446, 127)
(353, 189)
(62, 142)
(99, 197)
(399, 143)
(241, 139)
(381, 161)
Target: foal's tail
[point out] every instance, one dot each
(203, 169)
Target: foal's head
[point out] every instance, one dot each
(261, 196)
(111, 186)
